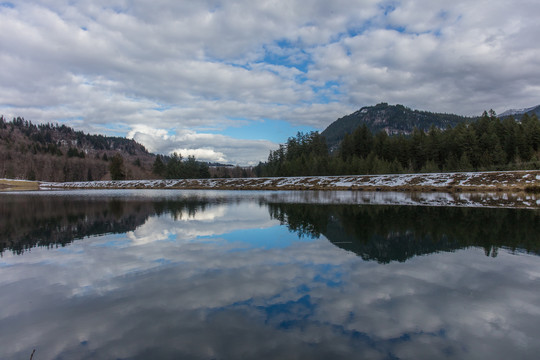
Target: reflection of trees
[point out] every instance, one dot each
(381, 233)
(180, 209)
(389, 233)
(49, 221)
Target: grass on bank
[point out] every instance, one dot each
(18, 185)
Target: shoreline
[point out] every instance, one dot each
(500, 181)
(18, 185)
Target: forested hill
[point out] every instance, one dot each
(394, 119)
(484, 144)
(53, 152)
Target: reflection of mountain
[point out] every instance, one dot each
(397, 233)
(28, 221)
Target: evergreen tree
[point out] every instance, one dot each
(507, 131)
(531, 128)
(191, 168)
(204, 171)
(159, 167)
(116, 167)
(418, 146)
(175, 167)
(362, 141)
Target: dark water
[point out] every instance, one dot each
(264, 275)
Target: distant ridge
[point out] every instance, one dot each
(518, 113)
(394, 119)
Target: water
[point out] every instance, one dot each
(264, 275)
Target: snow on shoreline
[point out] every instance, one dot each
(511, 189)
(467, 189)
(500, 180)
(457, 199)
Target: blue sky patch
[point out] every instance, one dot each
(328, 93)
(399, 29)
(287, 53)
(163, 261)
(276, 237)
(162, 107)
(388, 8)
(277, 131)
(116, 241)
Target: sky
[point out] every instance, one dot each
(228, 81)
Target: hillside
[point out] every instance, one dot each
(50, 152)
(394, 119)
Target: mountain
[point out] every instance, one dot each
(50, 152)
(394, 119)
(518, 113)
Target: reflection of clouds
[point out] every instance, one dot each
(207, 215)
(152, 230)
(190, 298)
(215, 220)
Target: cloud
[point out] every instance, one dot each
(437, 57)
(204, 146)
(114, 66)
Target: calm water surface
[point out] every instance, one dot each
(263, 275)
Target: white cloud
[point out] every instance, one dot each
(459, 59)
(202, 153)
(204, 146)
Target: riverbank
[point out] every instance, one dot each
(18, 185)
(507, 181)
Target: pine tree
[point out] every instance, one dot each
(175, 167)
(159, 167)
(204, 171)
(116, 167)
(418, 146)
(464, 163)
(362, 141)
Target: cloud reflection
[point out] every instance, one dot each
(215, 220)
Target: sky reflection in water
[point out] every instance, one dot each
(225, 279)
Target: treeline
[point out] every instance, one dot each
(305, 154)
(482, 145)
(176, 167)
